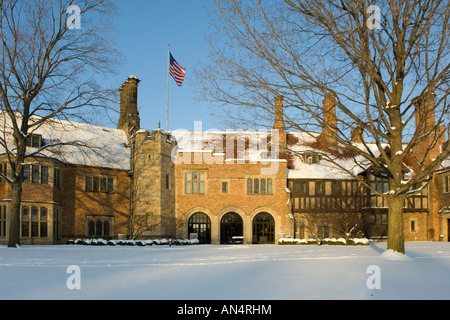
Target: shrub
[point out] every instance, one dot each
(326, 241)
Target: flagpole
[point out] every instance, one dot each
(168, 66)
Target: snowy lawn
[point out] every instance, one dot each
(240, 272)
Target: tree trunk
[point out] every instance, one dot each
(396, 237)
(16, 189)
(14, 217)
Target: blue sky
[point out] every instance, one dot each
(144, 30)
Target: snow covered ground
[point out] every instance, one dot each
(212, 272)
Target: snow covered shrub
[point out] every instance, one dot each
(334, 241)
(112, 242)
(326, 241)
(284, 241)
(140, 243)
(358, 241)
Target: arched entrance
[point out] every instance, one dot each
(201, 224)
(263, 228)
(231, 225)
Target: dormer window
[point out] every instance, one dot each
(34, 141)
(311, 158)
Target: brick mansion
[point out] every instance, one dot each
(214, 185)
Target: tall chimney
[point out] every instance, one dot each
(279, 121)
(329, 127)
(429, 146)
(357, 134)
(129, 120)
(425, 113)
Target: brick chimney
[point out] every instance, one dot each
(425, 109)
(357, 135)
(279, 122)
(129, 120)
(428, 147)
(329, 127)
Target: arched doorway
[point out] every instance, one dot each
(231, 225)
(263, 228)
(201, 224)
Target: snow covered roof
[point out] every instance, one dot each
(319, 168)
(246, 145)
(255, 146)
(78, 143)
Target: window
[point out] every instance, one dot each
(259, 186)
(323, 232)
(96, 184)
(34, 174)
(335, 187)
(320, 188)
(446, 183)
(99, 226)
(263, 185)
(379, 186)
(26, 173)
(35, 222)
(34, 141)
(311, 158)
(110, 187)
(2, 221)
(378, 225)
(300, 233)
(301, 188)
(34, 225)
(44, 175)
(43, 222)
(200, 224)
(413, 225)
(57, 178)
(194, 183)
(25, 221)
(56, 224)
(99, 184)
(103, 184)
(3, 170)
(256, 186)
(88, 183)
(167, 182)
(224, 187)
(269, 186)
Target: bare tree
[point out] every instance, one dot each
(50, 53)
(139, 224)
(384, 66)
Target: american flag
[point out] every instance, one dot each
(176, 71)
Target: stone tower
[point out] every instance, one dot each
(129, 120)
(153, 183)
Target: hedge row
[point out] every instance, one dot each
(142, 243)
(327, 241)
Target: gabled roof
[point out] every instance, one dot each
(78, 143)
(340, 168)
